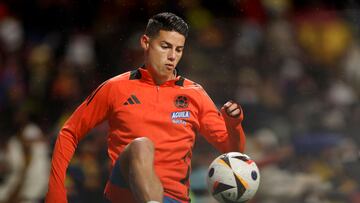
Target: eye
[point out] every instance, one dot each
(165, 45)
(179, 50)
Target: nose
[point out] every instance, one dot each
(172, 55)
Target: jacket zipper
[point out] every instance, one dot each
(157, 93)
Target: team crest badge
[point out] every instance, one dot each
(181, 101)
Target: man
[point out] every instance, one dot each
(153, 117)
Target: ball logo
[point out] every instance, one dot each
(181, 101)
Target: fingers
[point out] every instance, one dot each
(232, 109)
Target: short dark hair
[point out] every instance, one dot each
(168, 22)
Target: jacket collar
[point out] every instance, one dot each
(143, 75)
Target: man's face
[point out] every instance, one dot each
(162, 53)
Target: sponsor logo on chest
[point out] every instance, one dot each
(178, 116)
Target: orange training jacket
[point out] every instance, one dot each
(134, 106)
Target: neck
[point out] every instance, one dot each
(158, 79)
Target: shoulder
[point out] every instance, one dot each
(195, 87)
(127, 76)
(120, 78)
(189, 84)
(113, 83)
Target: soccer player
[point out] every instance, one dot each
(153, 116)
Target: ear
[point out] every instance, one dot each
(144, 41)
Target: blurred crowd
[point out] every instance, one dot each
(294, 66)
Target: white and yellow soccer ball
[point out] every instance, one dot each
(233, 178)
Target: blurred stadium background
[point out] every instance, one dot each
(293, 65)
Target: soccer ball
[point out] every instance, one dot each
(233, 177)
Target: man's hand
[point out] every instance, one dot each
(232, 109)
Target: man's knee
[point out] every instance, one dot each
(138, 153)
(141, 147)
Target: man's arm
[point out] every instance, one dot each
(222, 129)
(91, 112)
(233, 115)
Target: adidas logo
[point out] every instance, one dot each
(132, 100)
